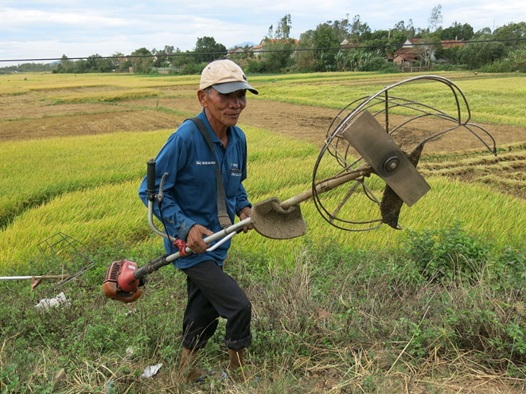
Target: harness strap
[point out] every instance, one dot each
(222, 213)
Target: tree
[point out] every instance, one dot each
(65, 65)
(81, 66)
(305, 56)
(326, 46)
(515, 61)
(385, 41)
(485, 31)
(278, 55)
(451, 55)
(181, 59)
(435, 20)
(359, 30)
(326, 40)
(342, 28)
(477, 54)
(120, 62)
(278, 47)
(457, 32)
(283, 29)
(163, 57)
(141, 60)
(513, 34)
(96, 63)
(408, 32)
(207, 50)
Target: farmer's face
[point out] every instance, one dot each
(222, 110)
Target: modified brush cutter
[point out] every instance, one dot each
(364, 149)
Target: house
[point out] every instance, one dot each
(257, 50)
(346, 44)
(415, 51)
(407, 55)
(446, 44)
(236, 51)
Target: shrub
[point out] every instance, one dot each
(447, 253)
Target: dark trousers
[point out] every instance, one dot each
(212, 294)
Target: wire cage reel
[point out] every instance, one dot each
(63, 249)
(367, 200)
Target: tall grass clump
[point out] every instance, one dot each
(483, 291)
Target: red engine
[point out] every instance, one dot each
(120, 284)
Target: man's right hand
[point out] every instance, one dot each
(194, 240)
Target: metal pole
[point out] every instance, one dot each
(34, 277)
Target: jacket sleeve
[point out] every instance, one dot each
(170, 160)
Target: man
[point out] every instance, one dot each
(190, 210)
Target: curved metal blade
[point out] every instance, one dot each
(382, 153)
(272, 221)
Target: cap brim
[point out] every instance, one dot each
(229, 87)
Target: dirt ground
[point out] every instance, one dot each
(23, 117)
(312, 123)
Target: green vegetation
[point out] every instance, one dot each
(339, 45)
(438, 307)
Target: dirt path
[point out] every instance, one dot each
(312, 123)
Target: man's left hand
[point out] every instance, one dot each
(245, 214)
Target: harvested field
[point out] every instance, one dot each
(53, 112)
(29, 116)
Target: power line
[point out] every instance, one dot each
(248, 50)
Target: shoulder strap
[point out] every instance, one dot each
(222, 213)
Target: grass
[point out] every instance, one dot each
(492, 98)
(335, 320)
(63, 168)
(438, 307)
(111, 96)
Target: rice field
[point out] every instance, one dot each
(85, 184)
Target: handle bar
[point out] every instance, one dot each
(223, 235)
(220, 236)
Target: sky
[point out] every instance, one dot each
(79, 28)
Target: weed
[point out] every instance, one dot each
(447, 254)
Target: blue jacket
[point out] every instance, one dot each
(190, 190)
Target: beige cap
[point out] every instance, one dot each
(225, 76)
